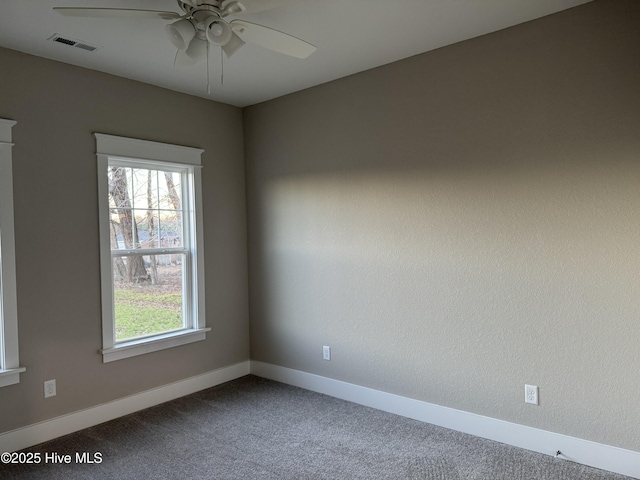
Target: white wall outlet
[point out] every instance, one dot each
(326, 353)
(531, 394)
(49, 388)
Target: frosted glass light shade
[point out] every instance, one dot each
(218, 32)
(233, 45)
(180, 33)
(197, 49)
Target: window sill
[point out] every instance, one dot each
(10, 376)
(153, 344)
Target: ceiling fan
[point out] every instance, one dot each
(202, 24)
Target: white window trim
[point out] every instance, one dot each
(112, 147)
(9, 363)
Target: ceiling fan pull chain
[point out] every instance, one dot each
(208, 83)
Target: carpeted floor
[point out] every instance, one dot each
(252, 428)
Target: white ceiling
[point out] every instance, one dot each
(351, 36)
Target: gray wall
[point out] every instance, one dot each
(461, 223)
(58, 107)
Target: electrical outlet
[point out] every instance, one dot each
(49, 388)
(326, 353)
(531, 394)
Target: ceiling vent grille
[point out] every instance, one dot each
(86, 46)
(57, 38)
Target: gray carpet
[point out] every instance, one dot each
(252, 428)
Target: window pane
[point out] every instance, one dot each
(147, 295)
(146, 228)
(170, 191)
(171, 228)
(124, 228)
(115, 232)
(151, 189)
(145, 208)
(119, 187)
(139, 187)
(151, 229)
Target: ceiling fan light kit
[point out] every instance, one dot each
(180, 33)
(218, 32)
(197, 49)
(233, 45)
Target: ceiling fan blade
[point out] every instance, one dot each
(231, 7)
(114, 13)
(272, 39)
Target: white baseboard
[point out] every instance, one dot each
(65, 424)
(605, 457)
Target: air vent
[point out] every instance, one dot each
(84, 46)
(71, 42)
(66, 41)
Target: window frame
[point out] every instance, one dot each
(146, 154)
(9, 359)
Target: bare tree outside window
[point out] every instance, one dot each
(136, 271)
(146, 216)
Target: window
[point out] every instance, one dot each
(151, 246)
(9, 366)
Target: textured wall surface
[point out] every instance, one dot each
(58, 108)
(461, 223)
